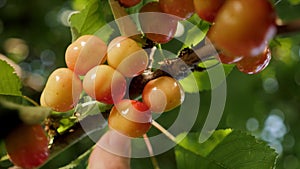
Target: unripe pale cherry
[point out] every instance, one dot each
(85, 53)
(125, 55)
(105, 84)
(62, 90)
(130, 118)
(42, 99)
(162, 94)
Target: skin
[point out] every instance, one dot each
(62, 90)
(112, 151)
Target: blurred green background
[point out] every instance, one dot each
(35, 34)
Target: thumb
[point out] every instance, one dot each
(112, 151)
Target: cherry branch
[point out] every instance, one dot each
(178, 68)
(289, 27)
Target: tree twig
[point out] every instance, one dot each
(289, 27)
(150, 149)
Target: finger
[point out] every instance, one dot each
(112, 151)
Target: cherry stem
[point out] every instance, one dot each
(151, 57)
(150, 149)
(161, 50)
(163, 130)
(31, 101)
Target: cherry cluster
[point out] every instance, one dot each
(103, 72)
(240, 35)
(240, 31)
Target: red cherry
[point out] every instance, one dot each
(183, 9)
(208, 9)
(227, 59)
(129, 3)
(243, 27)
(27, 146)
(157, 26)
(255, 64)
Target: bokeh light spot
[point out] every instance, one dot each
(48, 57)
(270, 85)
(252, 124)
(2, 3)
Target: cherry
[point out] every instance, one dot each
(162, 94)
(130, 118)
(125, 55)
(243, 27)
(181, 8)
(62, 90)
(255, 64)
(105, 84)
(161, 29)
(85, 53)
(27, 146)
(129, 3)
(208, 9)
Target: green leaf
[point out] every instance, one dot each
(288, 10)
(92, 19)
(10, 83)
(2, 149)
(136, 8)
(72, 145)
(196, 30)
(5, 162)
(225, 149)
(28, 114)
(81, 162)
(90, 107)
(294, 2)
(4, 159)
(206, 80)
